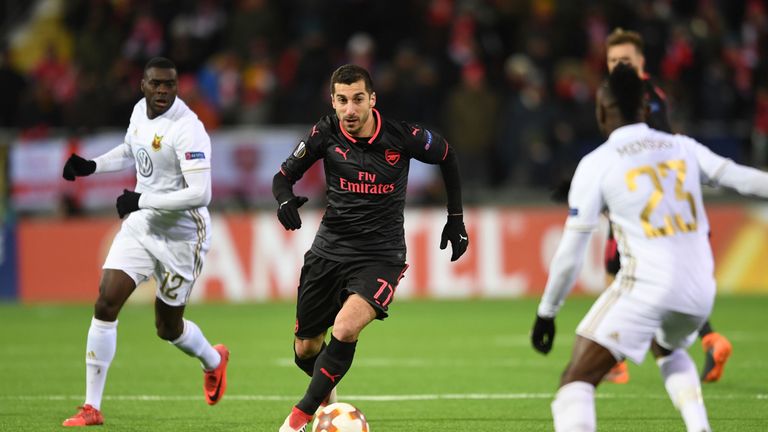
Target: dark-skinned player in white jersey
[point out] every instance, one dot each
(623, 46)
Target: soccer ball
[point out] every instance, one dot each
(340, 417)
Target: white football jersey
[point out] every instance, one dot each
(650, 184)
(164, 148)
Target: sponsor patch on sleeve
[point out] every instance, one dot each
(194, 155)
(573, 211)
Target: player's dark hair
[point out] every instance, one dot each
(160, 63)
(627, 89)
(620, 37)
(349, 74)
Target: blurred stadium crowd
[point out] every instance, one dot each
(511, 83)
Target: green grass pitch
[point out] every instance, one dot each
(431, 366)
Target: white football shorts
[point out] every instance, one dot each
(174, 263)
(626, 326)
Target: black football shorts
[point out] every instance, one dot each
(325, 285)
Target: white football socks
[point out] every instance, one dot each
(195, 344)
(682, 383)
(573, 409)
(99, 352)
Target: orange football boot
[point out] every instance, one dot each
(215, 381)
(618, 374)
(717, 349)
(86, 416)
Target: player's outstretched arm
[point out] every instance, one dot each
(116, 159)
(745, 180)
(77, 166)
(563, 271)
(717, 170)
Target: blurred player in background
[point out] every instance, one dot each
(351, 272)
(166, 233)
(649, 182)
(624, 46)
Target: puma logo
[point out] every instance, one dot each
(341, 152)
(415, 131)
(461, 237)
(314, 131)
(329, 375)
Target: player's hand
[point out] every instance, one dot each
(455, 232)
(78, 167)
(127, 202)
(543, 334)
(288, 212)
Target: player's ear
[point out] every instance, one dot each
(599, 110)
(373, 99)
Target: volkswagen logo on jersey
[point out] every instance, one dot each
(143, 163)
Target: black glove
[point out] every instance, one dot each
(543, 334)
(288, 212)
(78, 167)
(455, 232)
(127, 202)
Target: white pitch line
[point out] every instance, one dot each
(428, 363)
(375, 398)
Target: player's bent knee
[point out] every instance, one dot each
(106, 310)
(306, 348)
(346, 331)
(169, 332)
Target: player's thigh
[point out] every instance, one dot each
(128, 254)
(678, 330)
(319, 295)
(376, 282)
(590, 362)
(178, 263)
(621, 324)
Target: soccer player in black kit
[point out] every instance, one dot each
(351, 272)
(624, 46)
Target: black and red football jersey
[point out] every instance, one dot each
(366, 180)
(657, 106)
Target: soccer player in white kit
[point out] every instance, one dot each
(650, 184)
(166, 233)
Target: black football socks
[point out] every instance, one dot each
(331, 365)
